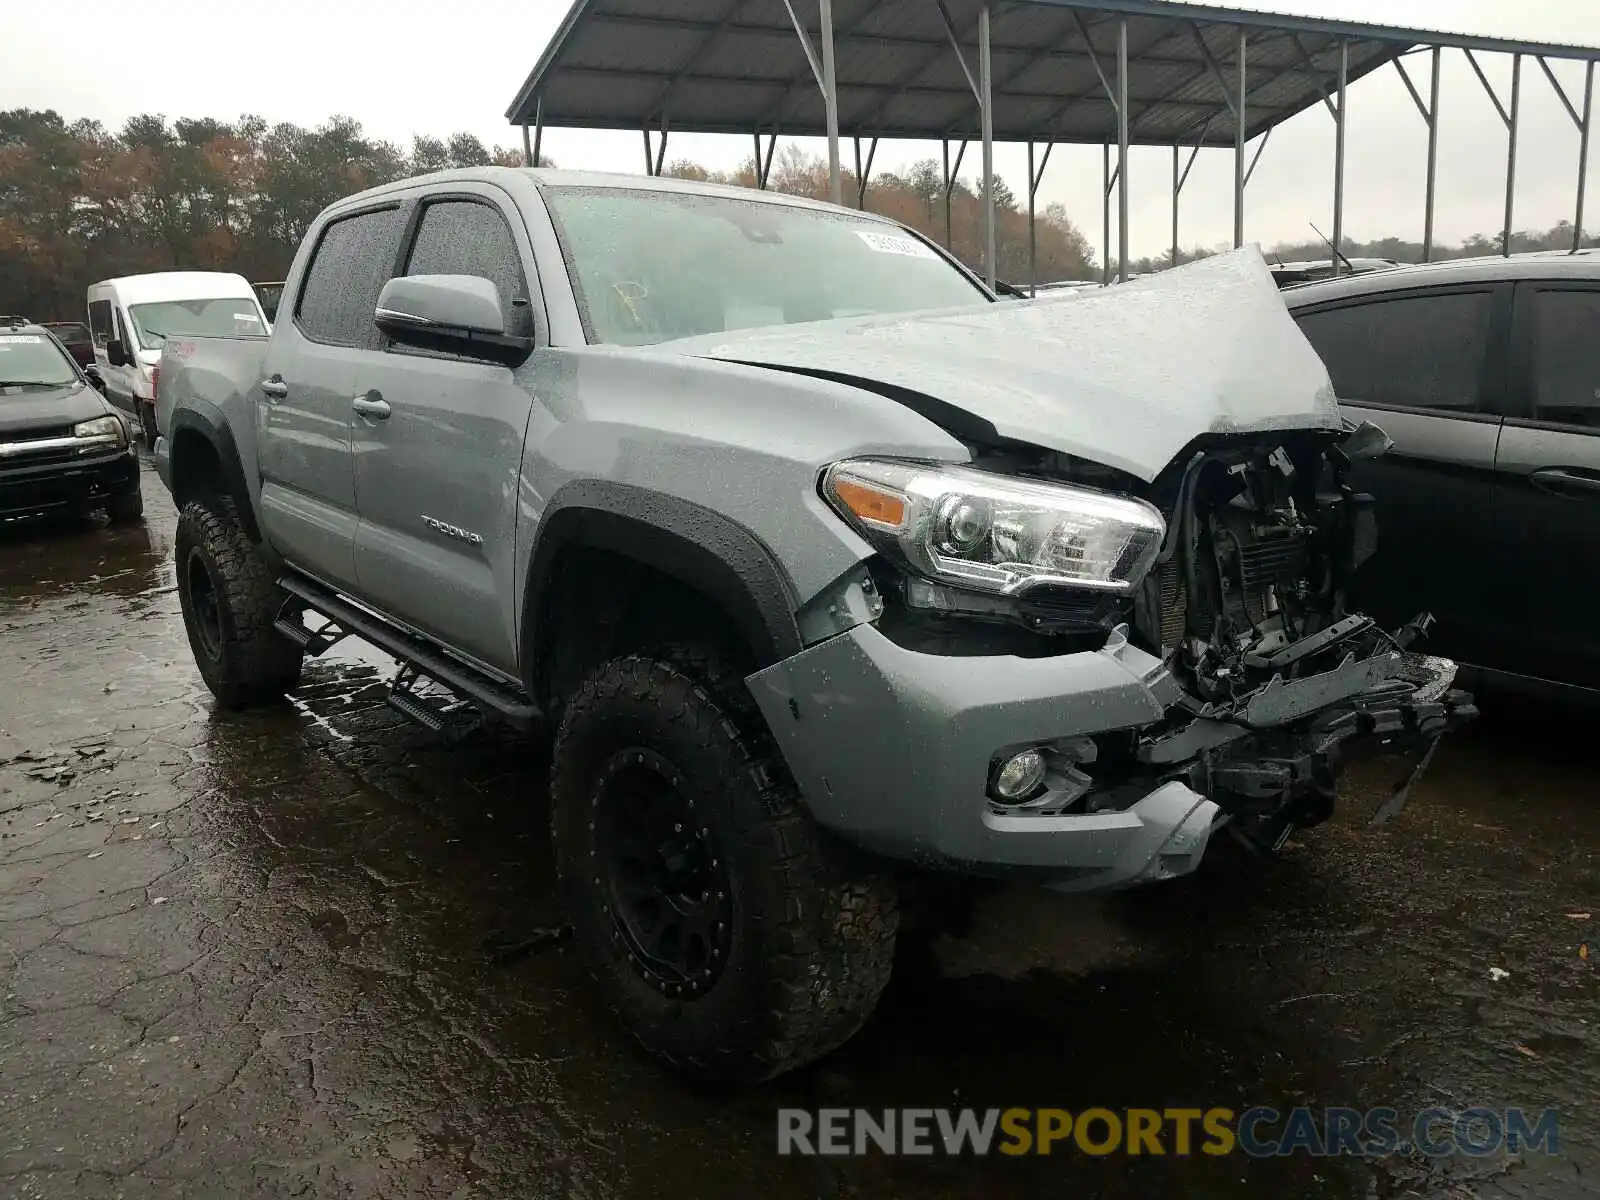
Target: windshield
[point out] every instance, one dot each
(34, 359)
(651, 266)
(232, 317)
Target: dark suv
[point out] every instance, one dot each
(75, 336)
(62, 446)
(1486, 374)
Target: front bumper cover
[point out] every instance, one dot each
(36, 488)
(891, 749)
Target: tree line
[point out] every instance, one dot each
(80, 203)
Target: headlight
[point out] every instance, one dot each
(100, 427)
(996, 533)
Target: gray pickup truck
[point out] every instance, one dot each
(827, 570)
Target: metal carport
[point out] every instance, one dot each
(1107, 72)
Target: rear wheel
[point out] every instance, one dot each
(229, 603)
(730, 935)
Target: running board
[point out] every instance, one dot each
(488, 694)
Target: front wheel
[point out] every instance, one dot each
(127, 509)
(725, 930)
(230, 603)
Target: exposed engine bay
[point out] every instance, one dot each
(1248, 605)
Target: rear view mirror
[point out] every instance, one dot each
(117, 353)
(95, 381)
(460, 314)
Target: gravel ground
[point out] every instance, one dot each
(287, 954)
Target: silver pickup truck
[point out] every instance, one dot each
(826, 570)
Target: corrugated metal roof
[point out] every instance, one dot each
(735, 66)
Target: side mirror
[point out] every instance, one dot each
(95, 381)
(117, 353)
(459, 314)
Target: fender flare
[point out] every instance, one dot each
(198, 419)
(696, 546)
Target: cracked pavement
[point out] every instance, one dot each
(275, 954)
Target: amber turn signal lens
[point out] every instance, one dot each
(870, 503)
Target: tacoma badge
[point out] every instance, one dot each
(454, 531)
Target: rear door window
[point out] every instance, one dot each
(349, 267)
(464, 237)
(1566, 361)
(1424, 352)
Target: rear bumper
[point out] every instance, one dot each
(892, 749)
(57, 487)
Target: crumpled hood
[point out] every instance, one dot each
(1126, 376)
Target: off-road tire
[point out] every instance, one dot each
(813, 922)
(242, 658)
(126, 509)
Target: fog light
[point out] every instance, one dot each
(1018, 777)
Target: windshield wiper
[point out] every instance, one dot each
(33, 383)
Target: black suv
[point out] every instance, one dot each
(62, 446)
(1486, 374)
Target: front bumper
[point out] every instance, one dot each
(892, 748)
(27, 489)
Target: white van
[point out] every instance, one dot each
(131, 317)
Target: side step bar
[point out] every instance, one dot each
(491, 695)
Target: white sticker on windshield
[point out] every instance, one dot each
(893, 243)
(251, 317)
(26, 338)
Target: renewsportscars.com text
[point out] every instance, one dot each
(1259, 1132)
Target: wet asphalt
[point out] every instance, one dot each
(302, 952)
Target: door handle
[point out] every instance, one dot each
(274, 388)
(372, 406)
(1566, 482)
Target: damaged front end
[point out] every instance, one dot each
(1109, 643)
(1249, 604)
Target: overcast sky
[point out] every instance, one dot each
(402, 71)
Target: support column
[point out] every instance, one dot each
(1176, 158)
(1583, 155)
(1033, 245)
(1035, 178)
(1581, 120)
(863, 173)
(1511, 153)
(944, 145)
(951, 174)
(986, 86)
(1338, 156)
(830, 101)
(1509, 116)
(1433, 157)
(527, 148)
(1105, 201)
(1122, 149)
(1240, 114)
